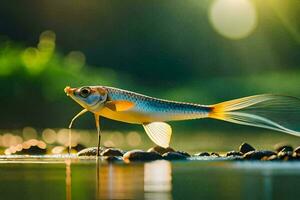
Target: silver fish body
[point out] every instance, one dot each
(149, 109)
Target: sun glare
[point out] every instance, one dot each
(233, 19)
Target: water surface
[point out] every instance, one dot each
(72, 178)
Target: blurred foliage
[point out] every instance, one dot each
(34, 78)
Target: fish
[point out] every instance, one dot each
(271, 111)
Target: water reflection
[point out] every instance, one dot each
(40, 177)
(267, 185)
(68, 180)
(158, 180)
(143, 181)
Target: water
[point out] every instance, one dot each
(70, 178)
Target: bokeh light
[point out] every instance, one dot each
(117, 138)
(109, 143)
(36, 58)
(8, 139)
(47, 41)
(29, 133)
(233, 19)
(133, 139)
(58, 149)
(75, 60)
(63, 136)
(27, 147)
(49, 135)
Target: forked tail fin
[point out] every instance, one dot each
(277, 112)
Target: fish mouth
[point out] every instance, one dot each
(69, 91)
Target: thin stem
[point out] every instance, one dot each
(99, 133)
(70, 126)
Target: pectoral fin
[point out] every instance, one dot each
(159, 132)
(119, 105)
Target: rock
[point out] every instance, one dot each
(112, 158)
(215, 154)
(257, 155)
(280, 147)
(289, 157)
(296, 156)
(59, 150)
(297, 150)
(234, 153)
(174, 156)
(265, 158)
(202, 154)
(285, 154)
(297, 153)
(161, 150)
(139, 155)
(111, 152)
(79, 147)
(245, 148)
(273, 158)
(287, 149)
(184, 153)
(92, 151)
(33, 150)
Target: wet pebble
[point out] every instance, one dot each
(91, 151)
(280, 147)
(183, 153)
(79, 147)
(33, 150)
(289, 157)
(139, 155)
(215, 154)
(265, 158)
(111, 152)
(234, 153)
(297, 150)
(285, 154)
(270, 158)
(287, 149)
(161, 150)
(296, 156)
(202, 154)
(245, 148)
(112, 158)
(174, 156)
(257, 155)
(273, 158)
(246, 152)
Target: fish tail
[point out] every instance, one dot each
(276, 112)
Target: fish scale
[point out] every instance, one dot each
(149, 105)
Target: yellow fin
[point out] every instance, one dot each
(119, 105)
(276, 112)
(159, 132)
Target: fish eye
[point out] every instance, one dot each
(85, 92)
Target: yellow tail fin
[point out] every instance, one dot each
(277, 112)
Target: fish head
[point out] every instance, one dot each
(91, 98)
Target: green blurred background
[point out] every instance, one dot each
(196, 51)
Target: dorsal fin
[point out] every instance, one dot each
(159, 132)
